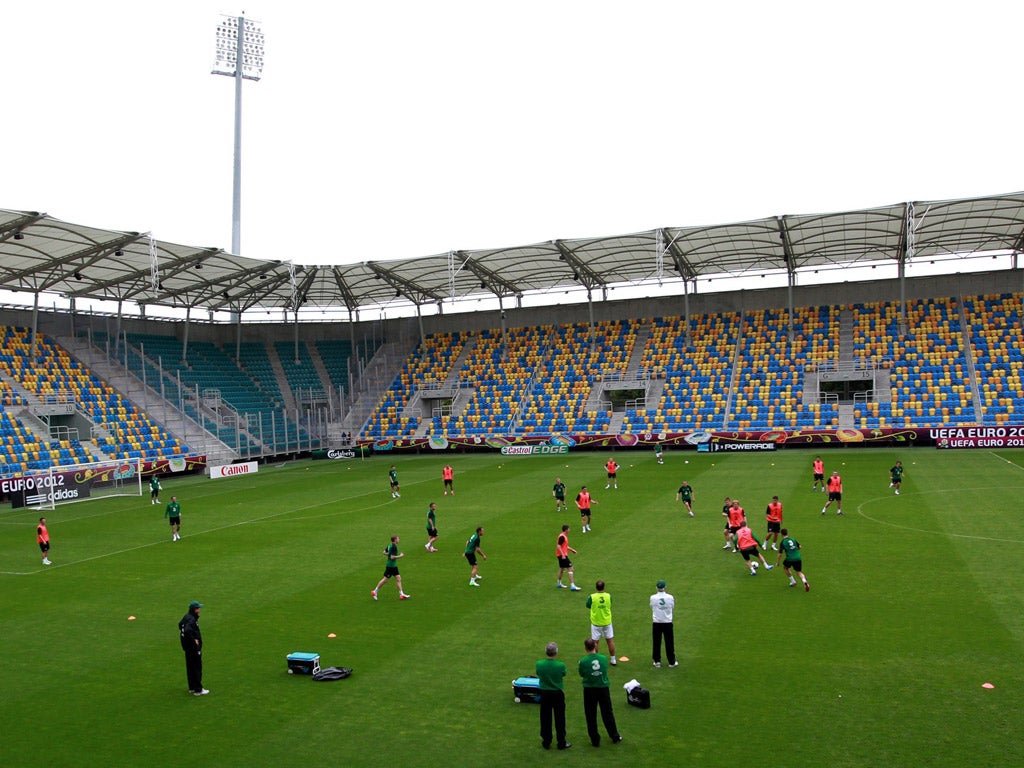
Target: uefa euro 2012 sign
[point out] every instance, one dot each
(534, 450)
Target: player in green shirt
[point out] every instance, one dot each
(790, 549)
(154, 490)
(551, 672)
(393, 479)
(685, 495)
(593, 668)
(896, 477)
(391, 569)
(558, 491)
(472, 550)
(173, 514)
(431, 527)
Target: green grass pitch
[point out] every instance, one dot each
(916, 601)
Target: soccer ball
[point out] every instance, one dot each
(756, 564)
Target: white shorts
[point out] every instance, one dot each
(607, 632)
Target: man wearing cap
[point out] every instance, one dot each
(662, 605)
(550, 673)
(192, 645)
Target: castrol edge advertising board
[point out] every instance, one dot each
(233, 470)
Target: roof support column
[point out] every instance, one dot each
(787, 252)
(686, 313)
(419, 321)
(35, 328)
(790, 280)
(351, 336)
(296, 335)
(904, 256)
(590, 309)
(504, 339)
(184, 345)
(238, 337)
(117, 326)
(903, 296)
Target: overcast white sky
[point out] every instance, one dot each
(404, 129)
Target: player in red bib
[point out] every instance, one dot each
(562, 550)
(819, 474)
(43, 539)
(583, 502)
(613, 478)
(773, 515)
(749, 547)
(835, 493)
(448, 475)
(737, 518)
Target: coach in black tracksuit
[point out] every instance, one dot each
(192, 645)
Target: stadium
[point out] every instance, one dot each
(261, 400)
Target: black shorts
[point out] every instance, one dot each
(431, 531)
(774, 527)
(564, 562)
(389, 571)
(44, 547)
(796, 565)
(833, 496)
(584, 513)
(447, 483)
(819, 476)
(611, 475)
(749, 552)
(154, 493)
(733, 528)
(470, 557)
(174, 520)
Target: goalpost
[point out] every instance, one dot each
(68, 483)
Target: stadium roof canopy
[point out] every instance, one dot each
(40, 254)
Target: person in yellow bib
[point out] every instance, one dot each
(600, 605)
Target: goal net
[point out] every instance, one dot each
(67, 483)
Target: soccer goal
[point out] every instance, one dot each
(67, 483)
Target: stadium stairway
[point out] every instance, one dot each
(846, 335)
(178, 424)
(319, 367)
(463, 395)
(38, 431)
(282, 379)
(636, 355)
(968, 348)
(734, 374)
(845, 412)
(374, 381)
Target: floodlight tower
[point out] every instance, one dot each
(239, 55)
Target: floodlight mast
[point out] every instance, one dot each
(239, 55)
